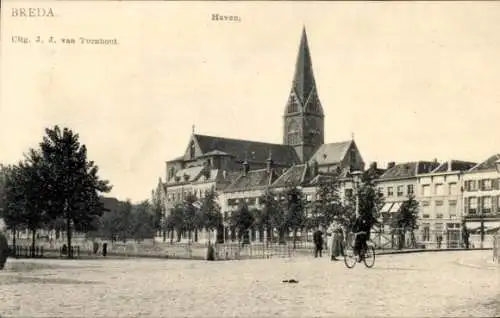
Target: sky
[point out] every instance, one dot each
(411, 80)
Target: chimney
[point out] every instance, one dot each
(373, 166)
(246, 167)
(391, 165)
(269, 163)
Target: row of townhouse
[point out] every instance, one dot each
(452, 195)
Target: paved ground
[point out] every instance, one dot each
(421, 284)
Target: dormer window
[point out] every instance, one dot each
(192, 150)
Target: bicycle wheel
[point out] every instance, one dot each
(350, 259)
(369, 258)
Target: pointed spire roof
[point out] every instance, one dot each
(303, 79)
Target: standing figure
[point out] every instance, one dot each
(318, 242)
(337, 241)
(465, 235)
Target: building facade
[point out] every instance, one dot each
(441, 204)
(399, 182)
(481, 200)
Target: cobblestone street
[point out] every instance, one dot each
(420, 284)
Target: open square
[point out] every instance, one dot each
(418, 284)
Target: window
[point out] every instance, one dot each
(390, 192)
(426, 190)
(439, 209)
(400, 191)
(472, 205)
(471, 185)
(452, 188)
(439, 227)
(498, 203)
(426, 203)
(452, 206)
(426, 232)
(439, 189)
(486, 205)
(293, 133)
(409, 189)
(293, 106)
(192, 150)
(486, 185)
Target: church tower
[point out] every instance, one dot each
(304, 119)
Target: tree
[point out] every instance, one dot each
(72, 183)
(25, 184)
(142, 222)
(190, 215)
(270, 216)
(12, 199)
(212, 214)
(158, 209)
(370, 199)
(32, 180)
(242, 220)
(176, 222)
(295, 217)
(405, 220)
(328, 207)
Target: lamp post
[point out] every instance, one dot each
(355, 179)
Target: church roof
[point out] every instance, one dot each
(254, 179)
(190, 173)
(294, 176)
(255, 151)
(488, 164)
(331, 153)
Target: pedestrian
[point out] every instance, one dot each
(439, 240)
(337, 241)
(465, 235)
(318, 242)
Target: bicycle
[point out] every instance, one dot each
(367, 253)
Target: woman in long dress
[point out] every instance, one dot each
(336, 248)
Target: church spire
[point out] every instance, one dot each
(304, 117)
(303, 79)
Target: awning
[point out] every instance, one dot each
(473, 225)
(386, 207)
(395, 208)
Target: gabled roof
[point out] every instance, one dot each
(454, 165)
(192, 174)
(331, 153)
(294, 176)
(254, 179)
(254, 151)
(487, 165)
(409, 169)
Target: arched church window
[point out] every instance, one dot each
(293, 105)
(293, 133)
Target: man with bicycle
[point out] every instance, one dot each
(361, 228)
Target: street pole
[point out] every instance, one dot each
(355, 175)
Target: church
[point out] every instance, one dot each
(242, 169)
